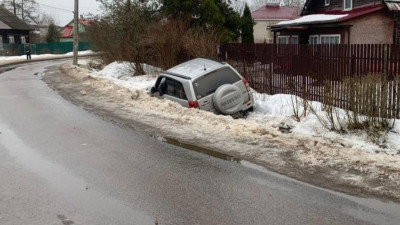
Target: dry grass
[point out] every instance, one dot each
(367, 108)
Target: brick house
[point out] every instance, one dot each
(12, 29)
(269, 15)
(342, 22)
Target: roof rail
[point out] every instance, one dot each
(213, 59)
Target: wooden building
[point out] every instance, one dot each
(12, 29)
(342, 22)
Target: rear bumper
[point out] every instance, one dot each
(250, 103)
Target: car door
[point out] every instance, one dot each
(174, 91)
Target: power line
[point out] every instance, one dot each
(66, 10)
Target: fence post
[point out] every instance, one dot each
(271, 68)
(385, 61)
(352, 65)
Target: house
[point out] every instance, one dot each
(342, 22)
(268, 15)
(67, 32)
(38, 33)
(12, 29)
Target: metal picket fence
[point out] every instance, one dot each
(306, 69)
(42, 48)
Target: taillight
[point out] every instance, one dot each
(246, 84)
(193, 104)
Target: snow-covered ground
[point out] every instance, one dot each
(271, 110)
(14, 59)
(308, 147)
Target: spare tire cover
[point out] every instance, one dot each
(228, 99)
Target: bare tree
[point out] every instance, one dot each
(27, 10)
(256, 4)
(294, 3)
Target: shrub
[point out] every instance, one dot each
(367, 109)
(199, 42)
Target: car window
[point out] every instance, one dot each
(209, 83)
(175, 88)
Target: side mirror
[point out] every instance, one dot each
(153, 90)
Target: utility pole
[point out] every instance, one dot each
(22, 10)
(15, 9)
(76, 33)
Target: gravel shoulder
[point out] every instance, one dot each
(318, 161)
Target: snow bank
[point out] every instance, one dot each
(22, 58)
(273, 111)
(315, 18)
(121, 73)
(277, 110)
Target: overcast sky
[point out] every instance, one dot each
(62, 10)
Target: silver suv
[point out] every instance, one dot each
(206, 84)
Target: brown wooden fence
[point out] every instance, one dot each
(306, 69)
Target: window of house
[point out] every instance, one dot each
(11, 39)
(332, 39)
(1, 42)
(294, 39)
(23, 40)
(314, 40)
(348, 4)
(283, 39)
(397, 35)
(327, 2)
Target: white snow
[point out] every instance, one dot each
(22, 58)
(277, 109)
(121, 73)
(313, 19)
(196, 67)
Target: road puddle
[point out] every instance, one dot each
(206, 151)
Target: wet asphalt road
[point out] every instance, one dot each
(62, 165)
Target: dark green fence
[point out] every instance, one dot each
(46, 48)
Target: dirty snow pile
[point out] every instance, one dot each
(272, 110)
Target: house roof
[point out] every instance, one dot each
(314, 18)
(11, 22)
(67, 32)
(272, 12)
(84, 22)
(332, 16)
(68, 29)
(393, 5)
(4, 26)
(335, 10)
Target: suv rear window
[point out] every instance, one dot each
(209, 83)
